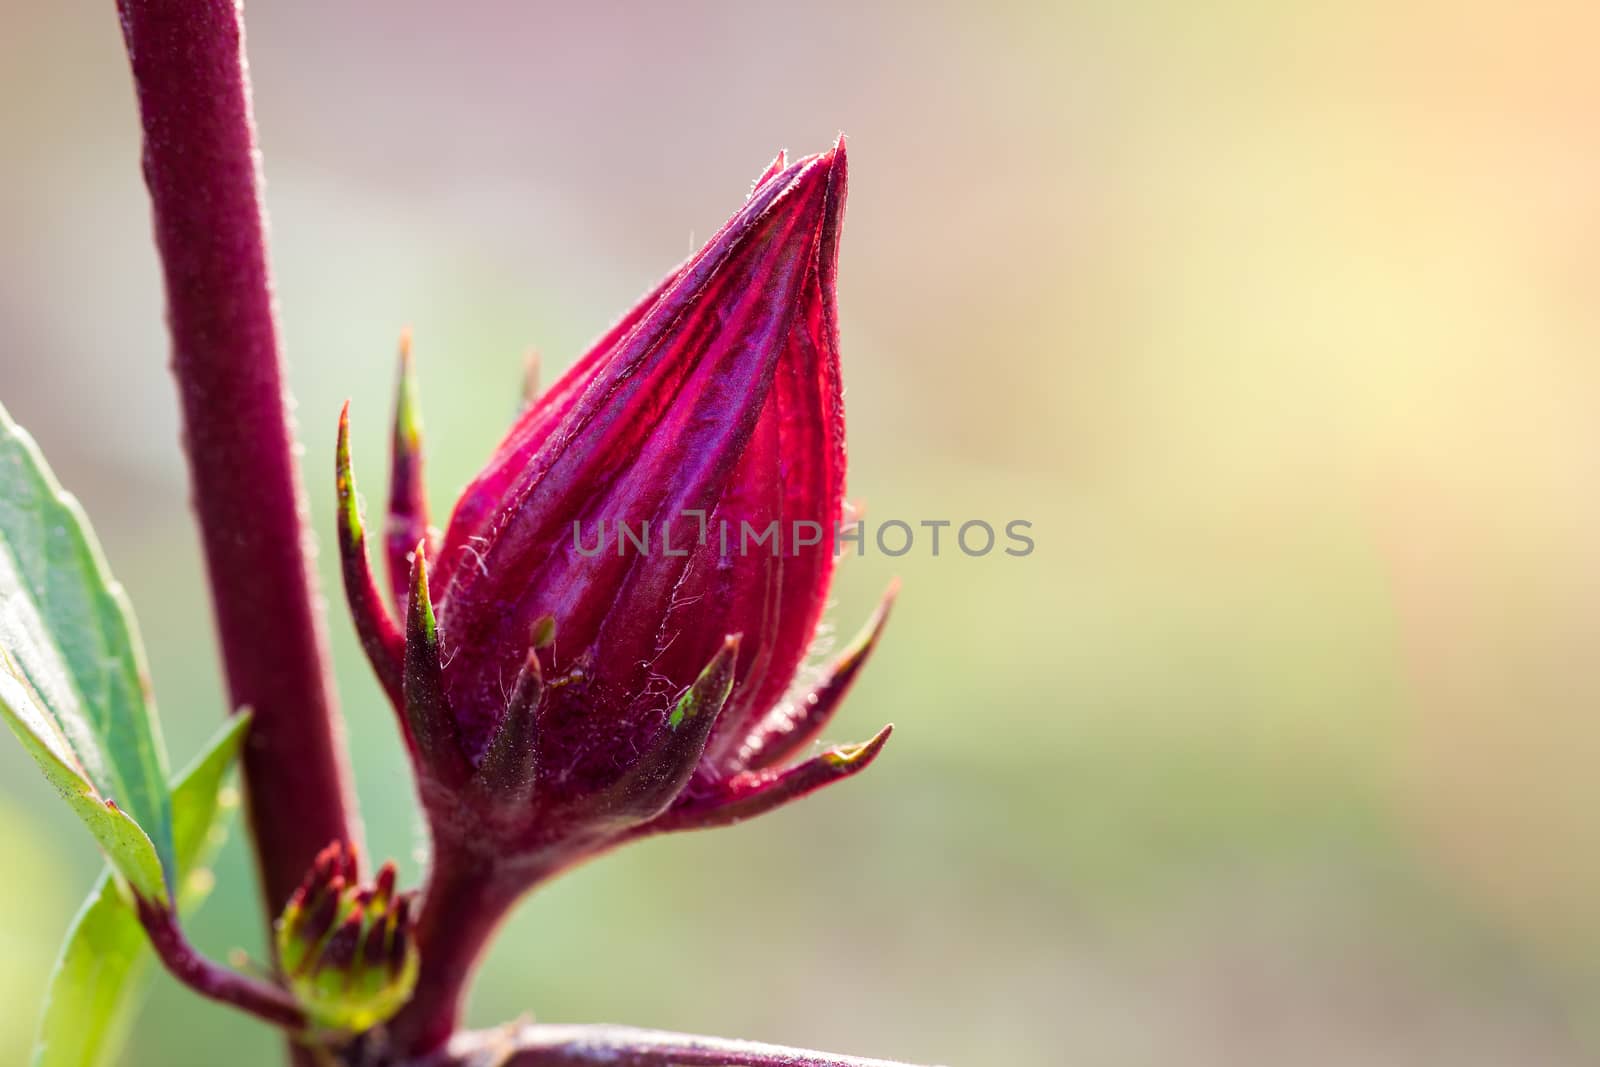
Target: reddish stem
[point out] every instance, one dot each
(621, 1046)
(200, 165)
(264, 1001)
(464, 905)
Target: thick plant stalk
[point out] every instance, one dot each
(622, 1046)
(201, 168)
(463, 906)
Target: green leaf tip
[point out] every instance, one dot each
(202, 804)
(709, 691)
(105, 958)
(543, 634)
(350, 525)
(421, 620)
(865, 640)
(74, 686)
(432, 729)
(792, 727)
(380, 637)
(407, 519)
(407, 405)
(857, 756)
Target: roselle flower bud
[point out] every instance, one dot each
(347, 950)
(606, 640)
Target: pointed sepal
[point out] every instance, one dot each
(792, 726)
(704, 699)
(408, 496)
(509, 765)
(430, 727)
(657, 778)
(380, 637)
(753, 793)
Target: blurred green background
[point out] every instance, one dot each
(1279, 323)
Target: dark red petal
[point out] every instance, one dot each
(792, 474)
(383, 886)
(482, 497)
(340, 951)
(320, 919)
(659, 430)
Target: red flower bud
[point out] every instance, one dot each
(345, 948)
(606, 640)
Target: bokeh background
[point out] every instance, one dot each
(1279, 322)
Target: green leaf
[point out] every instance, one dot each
(101, 971)
(125, 844)
(200, 807)
(73, 683)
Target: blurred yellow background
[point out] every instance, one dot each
(1279, 323)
